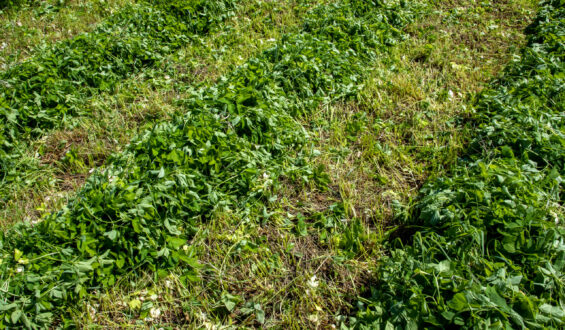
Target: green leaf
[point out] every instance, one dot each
(15, 316)
(459, 302)
(134, 304)
(17, 254)
(111, 234)
(176, 242)
(230, 301)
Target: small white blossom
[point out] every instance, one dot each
(91, 311)
(155, 312)
(555, 217)
(19, 269)
(313, 282)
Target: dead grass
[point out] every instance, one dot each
(296, 280)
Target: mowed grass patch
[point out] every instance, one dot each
(27, 30)
(231, 145)
(252, 275)
(310, 257)
(65, 157)
(409, 121)
(483, 245)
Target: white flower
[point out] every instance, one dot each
(313, 282)
(19, 269)
(153, 297)
(168, 284)
(91, 311)
(555, 217)
(451, 94)
(155, 312)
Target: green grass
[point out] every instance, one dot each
(28, 30)
(311, 256)
(406, 125)
(376, 150)
(483, 245)
(220, 156)
(66, 156)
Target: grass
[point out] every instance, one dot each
(481, 247)
(407, 125)
(253, 110)
(306, 260)
(68, 155)
(295, 266)
(26, 30)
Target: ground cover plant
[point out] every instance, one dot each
(12, 3)
(28, 30)
(57, 163)
(483, 247)
(217, 156)
(45, 91)
(138, 36)
(300, 249)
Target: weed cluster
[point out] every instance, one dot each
(484, 247)
(48, 90)
(225, 153)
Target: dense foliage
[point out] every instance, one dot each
(47, 90)
(5, 4)
(486, 245)
(225, 153)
